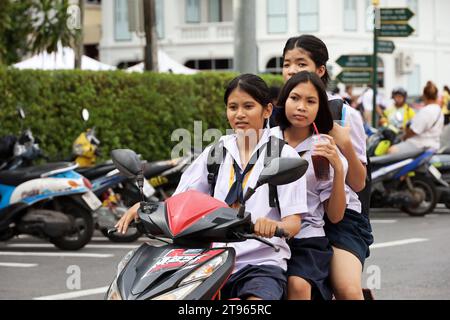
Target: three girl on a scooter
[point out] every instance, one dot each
(321, 247)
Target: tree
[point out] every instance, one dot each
(32, 26)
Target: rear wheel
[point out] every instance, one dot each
(425, 195)
(82, 228)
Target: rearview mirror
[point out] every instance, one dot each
(283, 171)
(127, 162)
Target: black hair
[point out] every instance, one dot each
(316, 49)
(324, 119)
(252, 85)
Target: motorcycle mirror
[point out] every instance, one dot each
(281, 171)
(21, 113)
(127, 162)
(85, 114)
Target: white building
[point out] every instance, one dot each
(199, 34)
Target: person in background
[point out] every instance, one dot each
(426, 127)
(400, 113)
(445, 104)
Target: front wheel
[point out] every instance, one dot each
(81, 231)
(424, 192)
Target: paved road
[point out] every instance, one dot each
(410, 260)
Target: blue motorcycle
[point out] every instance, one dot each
(405, 181)
(49, 201)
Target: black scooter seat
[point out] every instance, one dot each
(153, 169)
(396, 157)
(96, 171)
(19, 176)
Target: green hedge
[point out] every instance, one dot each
(129, 110)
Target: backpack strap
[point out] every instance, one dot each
(216, 156)
(273, 150)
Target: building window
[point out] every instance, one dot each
(215, 11)
(275, 65)
(159, 8)
(192, 11)
(350, 17)
(276, 16)
(308, 15)
(121, 29)
(414, 21)
(210, 64)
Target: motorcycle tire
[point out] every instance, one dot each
(119, 238)
(83, 228)
(426, 185)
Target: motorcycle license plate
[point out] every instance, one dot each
(435, 172)
(148, 189)
(91, 200)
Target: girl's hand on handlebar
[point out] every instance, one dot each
(127, 218)
(265, 227)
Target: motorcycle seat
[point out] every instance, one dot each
(96, 171)
(396, 157)
(153, 169)
(19, 176)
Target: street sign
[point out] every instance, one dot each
(386, 46)
(396, 30)
(355, 61)
(395, 14)
(355, 77)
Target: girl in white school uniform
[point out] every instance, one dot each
(352, 236)
(260, 272)
(303, 104)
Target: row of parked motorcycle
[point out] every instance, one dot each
(65, 201)
(413, 181)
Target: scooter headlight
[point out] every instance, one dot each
(113, 292)
(179, 293)
(206, 269)
(193, 280)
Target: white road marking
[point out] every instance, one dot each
(74, 294)
(382, 221)
(55, 254)
(18, 265)
(397, 243)
(91, 246)
(103, 239)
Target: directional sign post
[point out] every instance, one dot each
(386, 46)
(355, 61)
(395, 14)
(355, 77)
(396, 30)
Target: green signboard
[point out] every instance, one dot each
(386, 46)
(396, 30)
(355, 77)
(355, 61)
(395, 14)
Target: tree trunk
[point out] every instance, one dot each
(151, 47)
(79, 46)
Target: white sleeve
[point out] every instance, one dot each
(357, 133)
(292, 196)
(196, 175)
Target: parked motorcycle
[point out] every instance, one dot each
(441, 166)
(405, 181)
(50, 201)
(187, 267)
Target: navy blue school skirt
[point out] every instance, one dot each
(266, 282)
(311, 260)
(353, 234)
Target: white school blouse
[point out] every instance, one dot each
(292, 197)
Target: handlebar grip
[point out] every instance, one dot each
(280, 233)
